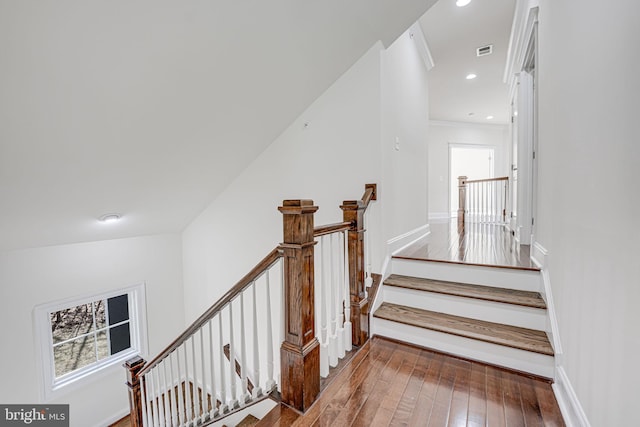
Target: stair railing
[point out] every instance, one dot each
(192, 382)
(228, 359)
(483, 200)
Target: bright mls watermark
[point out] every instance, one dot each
(34, 415)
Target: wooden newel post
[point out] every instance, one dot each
(353, 212)
(134, 366)
(300, 351)
(462, 200)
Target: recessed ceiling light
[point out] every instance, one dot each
(489, 117)
(110, 218)
(471, 76)
(461, 3)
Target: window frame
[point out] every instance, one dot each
(52, 386)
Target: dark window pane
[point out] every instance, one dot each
(71, 322)
(120, 338)
(74, 355)
(118, 308)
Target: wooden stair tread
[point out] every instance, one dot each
(487, 293)
(496, 333)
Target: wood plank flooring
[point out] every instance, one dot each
(393, 384)
(486, 293)
(496, 333)
(478, 244)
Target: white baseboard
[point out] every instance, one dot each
(400, 242)
(539, 255)
(568, 402)
(394, 245)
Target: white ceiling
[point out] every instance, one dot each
(453, 34)
(150, 108)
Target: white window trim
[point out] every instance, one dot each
(50, 387)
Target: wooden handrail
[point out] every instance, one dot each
(501, 178)
(242, 284)
(321, 230)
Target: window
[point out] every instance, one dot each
(82, 336)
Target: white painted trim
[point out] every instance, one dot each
(539, 255)
(440, 216)
(447, 123)
(394, 245)
(400, 242)
(572, 412)
(416, 33)
(49, 389)
(524, 18)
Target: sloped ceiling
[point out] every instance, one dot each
(150, 108)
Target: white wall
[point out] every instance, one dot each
(36, 276)
(328, 160)
(441, 134)
(589, 201)
(405, 115)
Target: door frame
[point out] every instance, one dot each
(452, 145)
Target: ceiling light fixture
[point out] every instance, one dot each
(471, 76)
(462, 3)
(489, 117)
(110, 218)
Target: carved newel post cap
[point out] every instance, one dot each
(297, 206)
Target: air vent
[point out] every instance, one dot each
(484, 50)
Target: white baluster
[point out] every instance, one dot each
(270, 380)
(166, 403)
(348, 338)
(195, 398)
(187, 384)
(245, 397)
(214, 410)
(172, 384)
(223, 387)
(233, 401)
(180, 394)
(368, 281)
(257, 390)
(339, 284)
(154, 406)
(204, 407)
(158, 393)
(323, 334)
(332, 327)
(145, 391)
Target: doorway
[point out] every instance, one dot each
(472, 161)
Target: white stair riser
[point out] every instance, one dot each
(523, 280)
(521, 360)
(508, 314)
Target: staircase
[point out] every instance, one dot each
(491, 314)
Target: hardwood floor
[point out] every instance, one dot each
(478, 244)
(393, 384)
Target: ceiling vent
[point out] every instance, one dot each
(484, 50)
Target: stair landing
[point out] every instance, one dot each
(480, 244)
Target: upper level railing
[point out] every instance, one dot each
(229, 359)
(483, 200)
